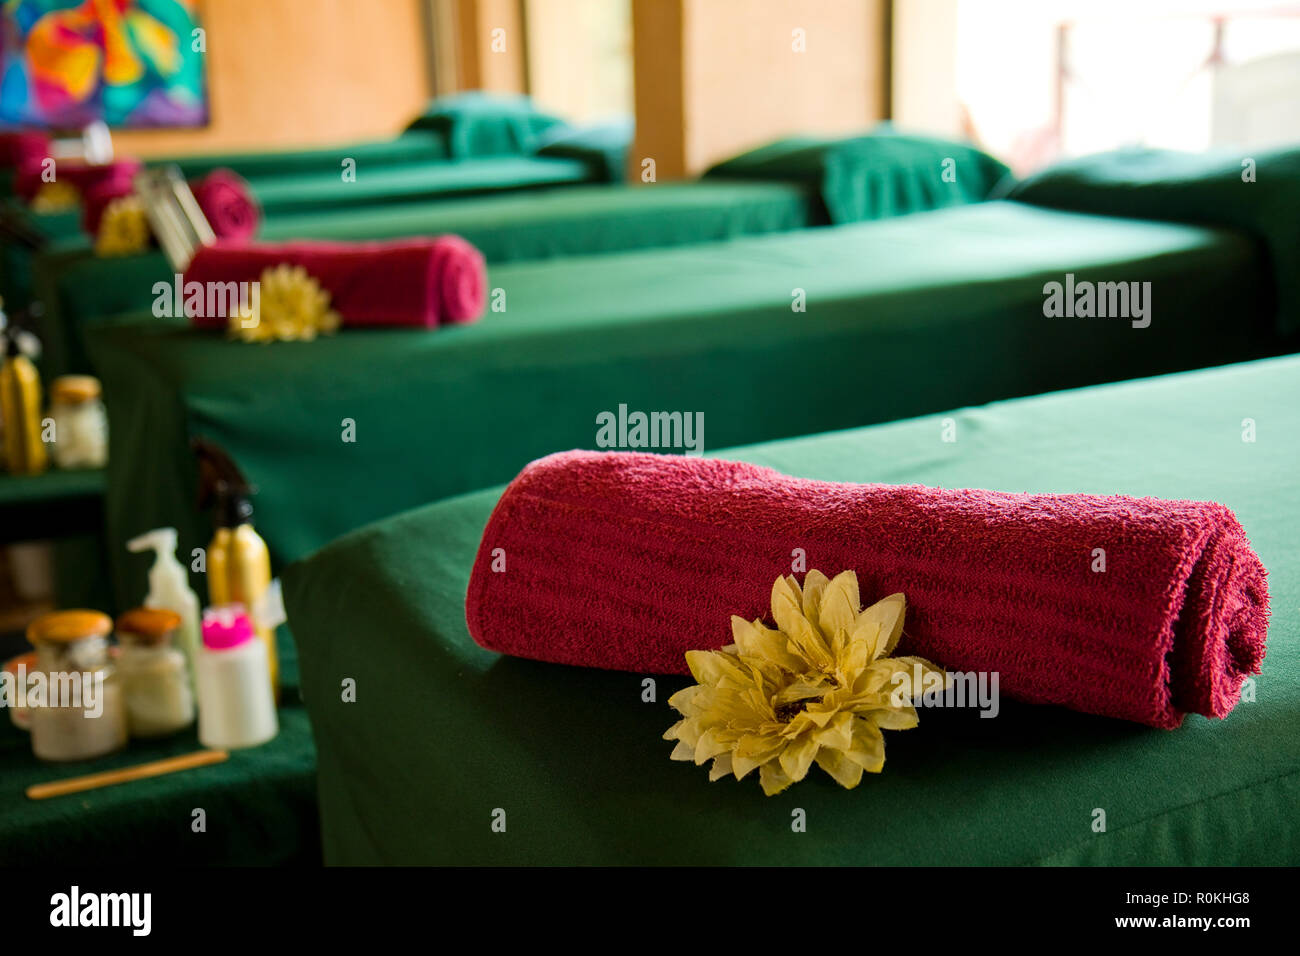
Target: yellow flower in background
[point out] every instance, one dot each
(55, 197)
(819, 688)
(290, 306)
(124, 228)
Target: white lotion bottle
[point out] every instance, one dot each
(236, 705)
(169, 590)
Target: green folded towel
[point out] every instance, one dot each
(875, 176)
(1256, 192)
(486, 124)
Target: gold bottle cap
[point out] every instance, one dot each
(74, 389)
(69, 626)
(150, 625)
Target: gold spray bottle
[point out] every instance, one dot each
(20, 406)
(238, 563)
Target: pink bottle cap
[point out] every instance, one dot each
(226, 627)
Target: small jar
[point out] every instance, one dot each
(155, 675)
(80, 423)
(74, 697)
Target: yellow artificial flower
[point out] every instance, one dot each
(55, 197)
(124, 228)
(819, 688)
(291, 305)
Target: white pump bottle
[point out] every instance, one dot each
(169, 589)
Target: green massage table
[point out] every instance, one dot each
(903, 317)
(444, 735)
(780, 187)
(80, 289)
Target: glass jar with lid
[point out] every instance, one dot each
(74, 696)
(80, 423)
(155, 675)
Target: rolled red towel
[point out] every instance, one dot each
(229, 204)
(408, 282)
(627, 561)
(80, 175)
(461, 279)
(23, 149)
(96, 200)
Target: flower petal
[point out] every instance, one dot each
(814, 585)
(839, 606)
(773, 778)
(888, 613)
(798, 757)
(843, 770)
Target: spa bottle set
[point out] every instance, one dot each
(79, 433)
(238, 562)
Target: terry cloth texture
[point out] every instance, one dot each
(626, 561)
(409, 282)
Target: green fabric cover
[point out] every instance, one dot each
(411, 147)
(412, 182)
(903, 317)
(443, 732)
(80, 290)
(260, 804)
(1210, 189)
(486, 124)
(871, 177)
(603, 147)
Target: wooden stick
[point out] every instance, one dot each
(155, 768)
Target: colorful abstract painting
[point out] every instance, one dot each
(130, 63)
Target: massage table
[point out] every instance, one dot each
(780, 187)
(903, 317)
(443, 733)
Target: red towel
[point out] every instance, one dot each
(410, 282)
(96, 200)
(80, 175)
(627, 561)
(229, 205)
(23, 149)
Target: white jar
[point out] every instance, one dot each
(80, 714)
(155, 675)
(80, 423)
(236, 705)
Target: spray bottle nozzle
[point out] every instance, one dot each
(223, 485)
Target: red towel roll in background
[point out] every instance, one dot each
(80, 175)
(23, 149)
(410, 282)
(229, 204)
(626, 561)
(96, 199)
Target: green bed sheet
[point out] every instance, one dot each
(1256, 192)
(413, 146)
(413, 182)
(259, 806)
(443, 733)
(80, 289)
(903, 317)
